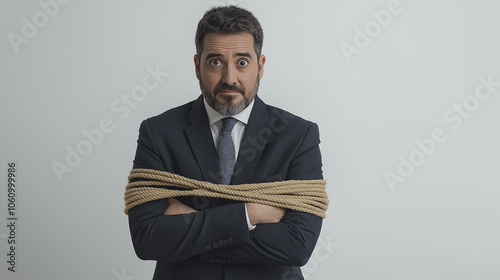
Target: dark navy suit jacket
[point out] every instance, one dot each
(215, 242)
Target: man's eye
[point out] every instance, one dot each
(243, 63)
(215, 62)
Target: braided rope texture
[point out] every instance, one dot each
(307, 196)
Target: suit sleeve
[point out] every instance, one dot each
(178, 237)
(291, 241)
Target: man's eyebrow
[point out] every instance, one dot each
(245, 54)
(212, 55)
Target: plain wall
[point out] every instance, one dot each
(405, 90)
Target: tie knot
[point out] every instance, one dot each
(228, 124)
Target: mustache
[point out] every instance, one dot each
(223, 86)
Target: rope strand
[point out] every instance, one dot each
(307, 196)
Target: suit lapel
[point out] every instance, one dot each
(256, 135)
(199, 134)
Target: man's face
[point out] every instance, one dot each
(229, 71)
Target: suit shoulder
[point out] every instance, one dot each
(278, 116)
(177, 115)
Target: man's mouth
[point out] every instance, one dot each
(229, 92)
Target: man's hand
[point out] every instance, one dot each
(176, 207)
(263, 214)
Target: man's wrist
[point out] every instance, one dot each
(250, 226)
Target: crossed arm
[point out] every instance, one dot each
(170, 231)
(257, 213)
(175, 237)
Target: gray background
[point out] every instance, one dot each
(440, 223)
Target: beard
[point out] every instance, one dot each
(228, 107)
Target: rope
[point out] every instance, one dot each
(307, 196)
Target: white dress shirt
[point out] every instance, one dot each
(215, 120)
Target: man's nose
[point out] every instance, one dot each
(230, 75)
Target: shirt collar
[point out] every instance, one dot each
(214, 116)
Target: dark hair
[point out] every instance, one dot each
(229, 20)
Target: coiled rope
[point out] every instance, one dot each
(307, 196)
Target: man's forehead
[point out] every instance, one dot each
(229, 44)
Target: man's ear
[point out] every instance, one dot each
(262, 61)
(197, 66)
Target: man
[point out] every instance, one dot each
(207, 238)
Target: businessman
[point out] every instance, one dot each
(228, 135)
